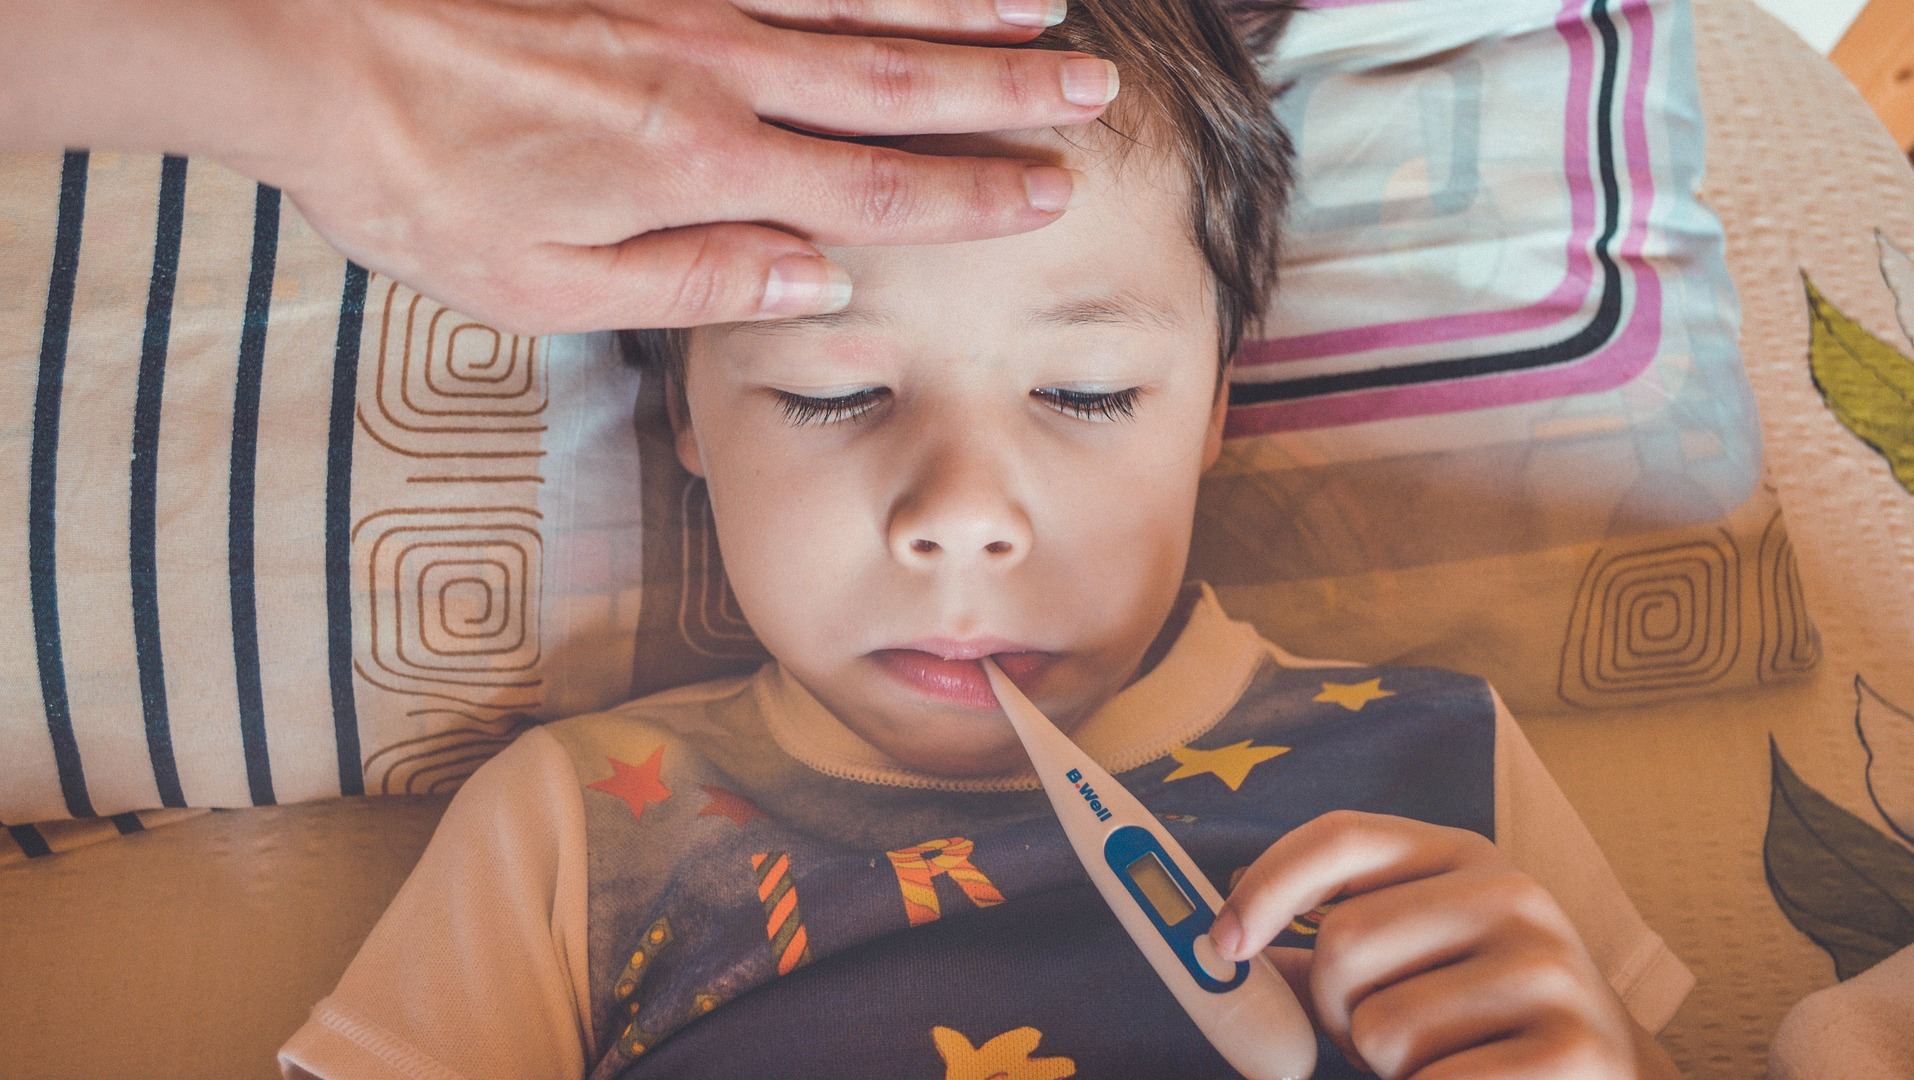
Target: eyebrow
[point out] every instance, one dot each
(1125, 307)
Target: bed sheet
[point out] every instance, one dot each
(1735, 820)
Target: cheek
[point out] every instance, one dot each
(790, 530)
(1121, 523)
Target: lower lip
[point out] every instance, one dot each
(961, 682)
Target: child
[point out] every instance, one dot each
(842, 867)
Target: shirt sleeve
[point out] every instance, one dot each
(478, 969)
(1540, 831)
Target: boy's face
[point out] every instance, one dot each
(993, 451)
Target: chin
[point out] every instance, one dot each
(957, 752)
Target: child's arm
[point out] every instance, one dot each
(1443, 960)
(477, 969)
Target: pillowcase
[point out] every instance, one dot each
(285, 530)
(280, 529)
(1502, 424)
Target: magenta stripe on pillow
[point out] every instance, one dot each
(1594, 364)
(1565, 302)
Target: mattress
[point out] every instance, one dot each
(195, 949)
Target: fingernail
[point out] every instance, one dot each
(1226, 933)
(1039, 13)
(1089, 81)
(805, 285)
(1051, 189)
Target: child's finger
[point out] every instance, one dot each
(1384, 938)
(1552, 1051)
(1340, 853)
(1407, 1026)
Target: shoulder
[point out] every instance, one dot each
(637, 729)
(1379, 691)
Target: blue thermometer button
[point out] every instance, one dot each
(1164, 893)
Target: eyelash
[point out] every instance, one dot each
(1084, 405)
(1116, 405)
(800, 410)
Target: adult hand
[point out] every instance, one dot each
(1441, 960)
(550, 165)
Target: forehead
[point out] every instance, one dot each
(1124, 256)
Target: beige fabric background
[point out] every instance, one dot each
(1802, 175)
(193, 950)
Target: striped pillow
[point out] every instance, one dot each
(283, 529)
(34, 841)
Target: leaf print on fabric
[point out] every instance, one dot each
(1836, 878)
(1867, 383)
(1887, 733)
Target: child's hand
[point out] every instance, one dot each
(1441, 961)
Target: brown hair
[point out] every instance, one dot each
(1189, 80)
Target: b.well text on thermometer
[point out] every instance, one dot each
(1089, 794)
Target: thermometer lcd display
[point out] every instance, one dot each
(1168, 900)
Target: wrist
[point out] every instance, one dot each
(210, 78)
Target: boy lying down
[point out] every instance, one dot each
(842, 866)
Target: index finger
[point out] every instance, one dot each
(850, 194)
(931, 20)
(897, 86)
(1340, 853)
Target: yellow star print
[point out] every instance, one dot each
(1231, 764)
(1006, 1057)
(1353, 696)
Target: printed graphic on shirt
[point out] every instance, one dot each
(919, 865)
(740, 810)
(991, 932)
(638, 785)
(1353, 696)
(624, 992)
(1006, 1057)
(782, 922)
(1230, 764)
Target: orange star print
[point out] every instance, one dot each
(729, 804)
(638, 785)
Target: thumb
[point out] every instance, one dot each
(697, 275)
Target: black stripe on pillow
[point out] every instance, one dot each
(240, 478)
(41, 569)
(142, 532)
(345, 395)
(127, 823)
(31, 842)
(1585, 342)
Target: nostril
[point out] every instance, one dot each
(923, 547)
(998, 547)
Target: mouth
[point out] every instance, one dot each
(949, 672)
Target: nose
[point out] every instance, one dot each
(958, 508)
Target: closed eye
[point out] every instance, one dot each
(799, 409)
(1092, 405)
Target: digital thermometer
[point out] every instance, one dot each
(1163, 900)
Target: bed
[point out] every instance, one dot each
(1758, 804)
